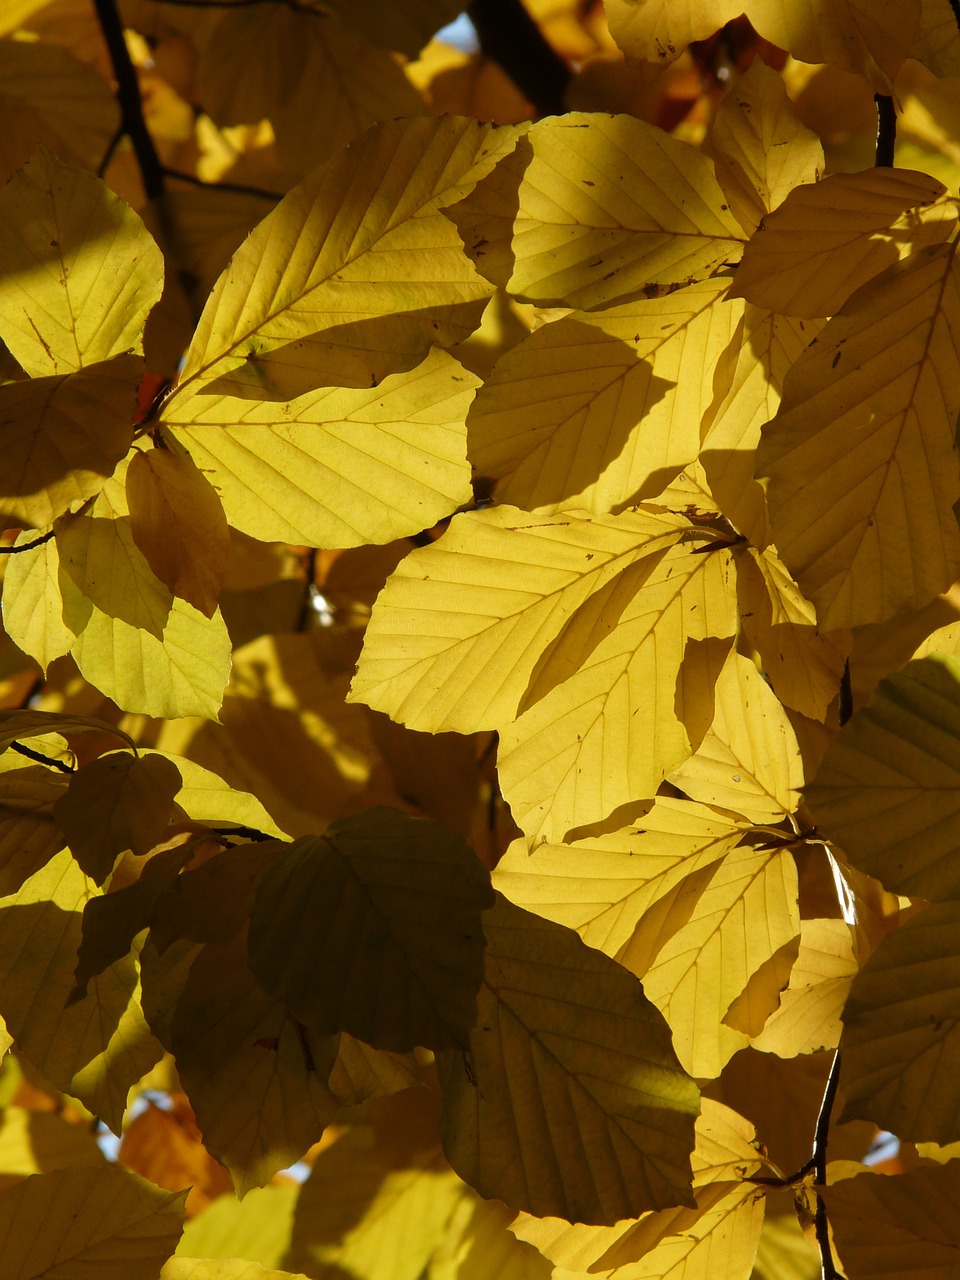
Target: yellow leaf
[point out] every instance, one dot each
(356, 272)
(716, 1238)
(52, 100)
(901, 1030)
(602, 886)
(27, 724)
(762, 350)
(388, 908)
(116, 802)
(749, 760)
(337, 467)
(221, 1269)
(309, 66)
(105, 1222)
(937, 43)
(405, 27)
(857, 35)
(827, 239)
(32, 602)
(877, 397)
(258, 1227)
(607, 734)
(804, 664)
(62, 437)
(478, 1244)
(595, 411)
(809, 1015)
(607, 205)
(698, 947)
(206, 797)
(759, 146)
(567, 1057)
(97, 1048)
(178, 523)
(29, 833)
(41, 1141)
(256, 1078)
(897, 1228)
(460, 626)
(660, 30)
(887, 788)
(81, 272)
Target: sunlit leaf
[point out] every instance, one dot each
(105, 1222)
(887, 790)
(607, 205)
(221, 1269)
(876, 397)
(256, 1228)
(388, 909)
(340, 466)
(809, 1015)
(461, 624)
(62, 437)
(567, 1057)
(41, 1141)
(81, 272)
(901, 1030)
(32, 601)
(660, 30)
(759, 145)
(356, 273)
(828, 238)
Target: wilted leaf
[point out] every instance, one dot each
(388, 909)
(567, 1057)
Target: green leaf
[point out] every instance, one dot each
(388, 909)
(570, 1101)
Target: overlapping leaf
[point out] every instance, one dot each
(337, 467)
(388, 909)
(887, 790)
(808, 1018)
(461, 624)
(356, 273)
(589, 209)
(567, 1058)
(876, 397)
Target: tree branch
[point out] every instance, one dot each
(821, 1224)
(510, 37)
(21, 750)
(886, 131)
(27, 546)
(128, 96)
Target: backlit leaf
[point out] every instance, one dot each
(607, 205)
(62, 437)
(221, 1269)
(899, 1227)
(759, 145)
(32, 601)
(81, 272)
(809, 1015)
(828, 238)
(356, 272)
(608, 733)
(901, 1030)
(660, 30)
(596, 411)
(29, 833)
(460, 625)
(887, 790)
(340, 466)
(388, 909)
(114, 803)
(567, 1057)
(105, 1222)
(876, 396)
(96, 1048)
(178, 523)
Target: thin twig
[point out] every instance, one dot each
(821, 1224)
(111, 148)
(238, 188)
(21, 750)
(250, 833)
(27, 546)
(128, 96)
(886, 131)
(846, 695)
(510, 37)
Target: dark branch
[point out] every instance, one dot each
(128, 96)
(237, 187)
(821, 1225)
(955, 7)
(886, 131)
(846, 695)
(249, 833)
(510, 37)
(21, 750)
(27, 546)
